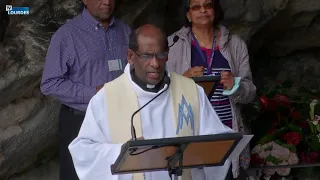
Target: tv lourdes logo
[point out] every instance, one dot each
(17, 10)
(185, 116)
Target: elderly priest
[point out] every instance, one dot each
(181, 110)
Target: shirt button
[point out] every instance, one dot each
(96, 28)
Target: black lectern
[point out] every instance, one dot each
(208, 83)
(175, 154)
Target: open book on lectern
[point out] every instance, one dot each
(171, 154)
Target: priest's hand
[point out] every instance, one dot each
(227, 79)
(99, 87)
(196, 71)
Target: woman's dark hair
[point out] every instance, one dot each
(218, 12)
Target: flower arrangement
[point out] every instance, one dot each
(313, 137)
(272, 154)
(287, 130)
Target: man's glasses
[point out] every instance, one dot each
(159, 55)
(206, 6)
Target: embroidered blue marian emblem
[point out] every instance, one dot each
(185, 114)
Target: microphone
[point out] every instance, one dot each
(175, 39)
(133, 131)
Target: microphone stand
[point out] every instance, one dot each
(133, 130)
(175, 172)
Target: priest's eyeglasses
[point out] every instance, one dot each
(149, 56)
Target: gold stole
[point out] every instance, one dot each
(122, 102)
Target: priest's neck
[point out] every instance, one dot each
(144, 86)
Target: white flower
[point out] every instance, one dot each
(277, 146)
(271, 171)
(293, 159)
(264, 154)
(256, 150)
(266, 177)
(281, 154)
(267, 145)
(283, 171)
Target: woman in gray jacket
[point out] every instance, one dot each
(203, 47)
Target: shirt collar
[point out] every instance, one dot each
(139, 91)
(92, 21)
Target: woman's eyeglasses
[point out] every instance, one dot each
(198, 6)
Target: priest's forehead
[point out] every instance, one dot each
(150, 37)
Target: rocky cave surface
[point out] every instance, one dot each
(283, 37)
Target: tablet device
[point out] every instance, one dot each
(207, 83)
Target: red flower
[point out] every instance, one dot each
(282, 100)
(264, 102)
(272, 105)
(293, 138)
(314, 155)
(295, 115)
(309, 157)
(256, 160)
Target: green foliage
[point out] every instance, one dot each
(291, 147)
(274, 160)
(267, 138)
(313, 142)
(312, 127)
